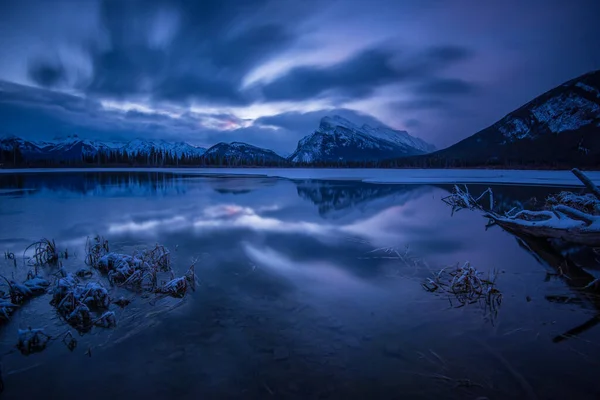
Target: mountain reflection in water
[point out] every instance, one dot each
(302, 295)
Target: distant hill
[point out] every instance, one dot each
(74, 150)
(241, 154)
(559, 128)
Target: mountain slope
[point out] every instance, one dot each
(237, 153)
(338, 139)
(560, 127)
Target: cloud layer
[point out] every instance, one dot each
(265, 71)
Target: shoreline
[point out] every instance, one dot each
(367, 175)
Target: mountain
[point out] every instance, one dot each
(561, 127)
(238, 153)
(72, 148)
(25, 147)
(146, 147)
(338, 139)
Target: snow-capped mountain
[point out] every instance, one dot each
(338, 139)
(145, 147)
(237, 153)
(10, 143)
(72, 147)
(560, 127)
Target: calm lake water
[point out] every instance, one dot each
(300, 294)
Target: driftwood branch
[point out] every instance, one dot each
(587, 182)
(568, 216)
(575, 214)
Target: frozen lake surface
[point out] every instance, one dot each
(302, 294)
(366, 175)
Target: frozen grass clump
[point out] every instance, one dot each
(6, 308)
(10, 256)
(128, 271)
(158, 257)
(36, 284)
(465, 284)
(140, 271)
(84, 305)
(18, 293)
(32, 340)
(95, 249)
(44, 253)
(178, 287)
(93, 295)
(75, 302)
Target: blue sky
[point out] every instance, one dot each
(266, 71)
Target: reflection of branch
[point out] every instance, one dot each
(576, 278)
(578, 329)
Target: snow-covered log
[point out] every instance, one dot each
(568, 216)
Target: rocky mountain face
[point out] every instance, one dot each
(561, 127)
(238, 153)
(338, 139)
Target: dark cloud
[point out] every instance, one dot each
(358, 76)
(37, 114)
(412, 123)
(448, 54)
(183, 50)
(439, 86)
(307, 122)
(433, 61)
(355, 77)
(46, 73)
(421, 104)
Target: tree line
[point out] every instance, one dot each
(13, 158)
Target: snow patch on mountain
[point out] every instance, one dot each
(588, 88)
(566, 112)
(514, 128)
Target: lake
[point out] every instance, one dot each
(309, 287)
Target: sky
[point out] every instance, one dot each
(265, 71)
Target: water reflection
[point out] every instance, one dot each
(585, 287)
(292, 296)
(334, 196)
(94, 183)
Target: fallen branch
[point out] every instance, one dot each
(587, 182)
(568, 216)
